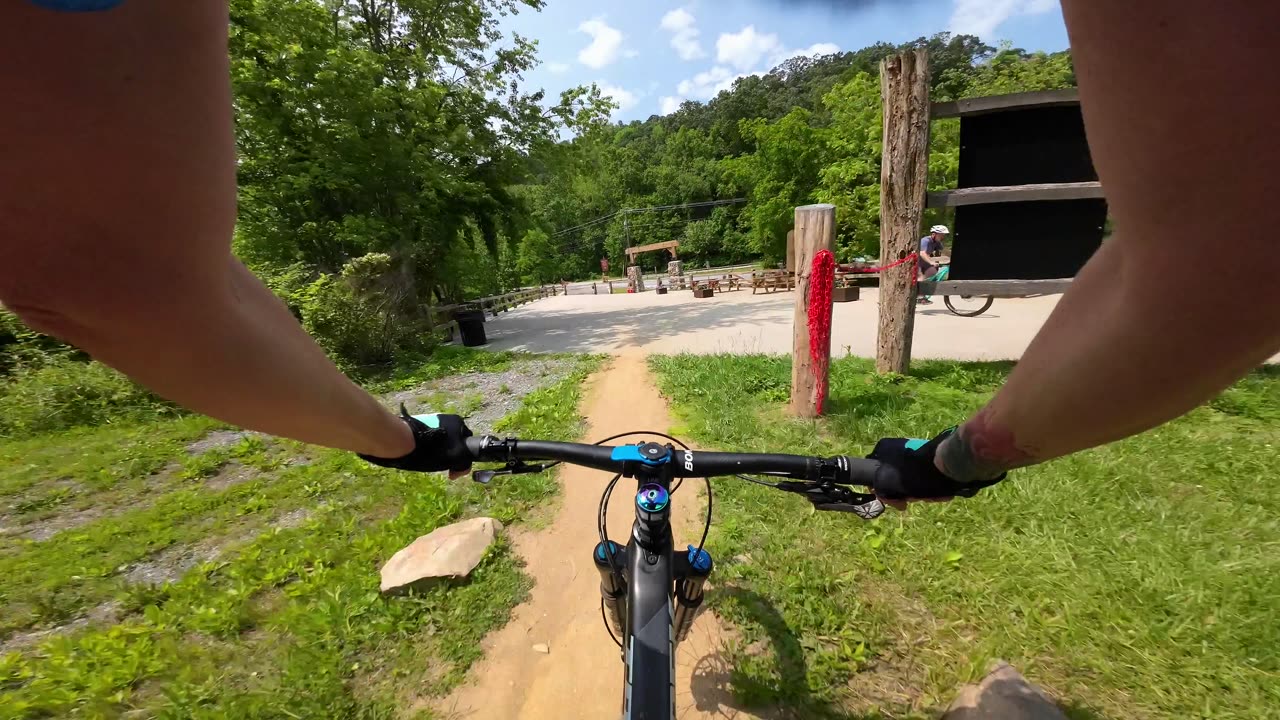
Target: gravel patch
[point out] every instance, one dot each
(218, 439)
(502, 392)
(231, 474)
(171, 564)
(104, 614)
(292, 519)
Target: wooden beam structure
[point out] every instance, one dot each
(995, 288)
(815, 230)
(668, 245)
(904, 174)
(1012, 101)
(1015, 193)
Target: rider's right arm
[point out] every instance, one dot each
(1171, 310)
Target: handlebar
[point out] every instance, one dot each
(840, 469)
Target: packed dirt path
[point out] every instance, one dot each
(581, 676)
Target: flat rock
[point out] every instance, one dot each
(1003, 695)
(446, 553)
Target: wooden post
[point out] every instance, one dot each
(815, 230)
(791, 251)
(904, 174)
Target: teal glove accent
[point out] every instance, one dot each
(431, 421)
(916, 443)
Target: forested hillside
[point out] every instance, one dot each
(808, 131)
(391, 157)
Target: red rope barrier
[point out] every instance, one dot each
(890, 266)
(821, 280)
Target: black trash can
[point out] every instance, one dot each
(471, 327)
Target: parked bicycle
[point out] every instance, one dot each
(651, 592)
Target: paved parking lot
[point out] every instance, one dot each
(739, 322)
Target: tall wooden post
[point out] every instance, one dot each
(791, 251)
(904, 174)
(815, 230)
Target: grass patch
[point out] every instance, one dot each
(285, 619)
(1138, 580)
(445, 360)
(64, 393)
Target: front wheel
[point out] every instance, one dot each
(967, 305)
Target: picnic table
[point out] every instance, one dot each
(772, 280)
(720, 284)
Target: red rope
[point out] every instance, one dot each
(821, 279)
(890, 266)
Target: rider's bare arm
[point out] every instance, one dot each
(1183, 137)
(117, 202)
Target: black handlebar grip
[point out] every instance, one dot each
(860, 471)
(474, 444)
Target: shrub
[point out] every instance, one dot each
(64, 393)
(20, 346)
(360, 318)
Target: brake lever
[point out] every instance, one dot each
(836, 498)
(515, 467)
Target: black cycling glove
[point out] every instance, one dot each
(917, 476)
(439, 444)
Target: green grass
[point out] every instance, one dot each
(1138, 580)
(286, 620)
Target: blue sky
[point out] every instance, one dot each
(651, 54)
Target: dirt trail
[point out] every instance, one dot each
(581, 676)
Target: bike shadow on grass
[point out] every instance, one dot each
(722, 690)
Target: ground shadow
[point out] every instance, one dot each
(722, 690)
(725, 691)
(943, 311)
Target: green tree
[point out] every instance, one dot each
(388, 126)
(538, 260)
(851, 181)
(782, 173)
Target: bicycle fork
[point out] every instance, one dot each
(691, 570)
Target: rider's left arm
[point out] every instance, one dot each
(116, 215)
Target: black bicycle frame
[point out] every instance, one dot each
(656, 578)
(648, 639)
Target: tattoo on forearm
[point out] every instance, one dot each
(981, 450)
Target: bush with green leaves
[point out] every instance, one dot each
(63, 393)
(362, 318)
(20, 346)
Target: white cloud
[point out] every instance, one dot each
(684, 34)
(625, 98)
(983, 17)
(706, 85)
(605, 45)
(813, 50)
(668, 104)
(558, 67)
(746, 47)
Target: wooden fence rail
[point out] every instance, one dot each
(493, 304)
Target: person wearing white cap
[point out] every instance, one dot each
(930, 247)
